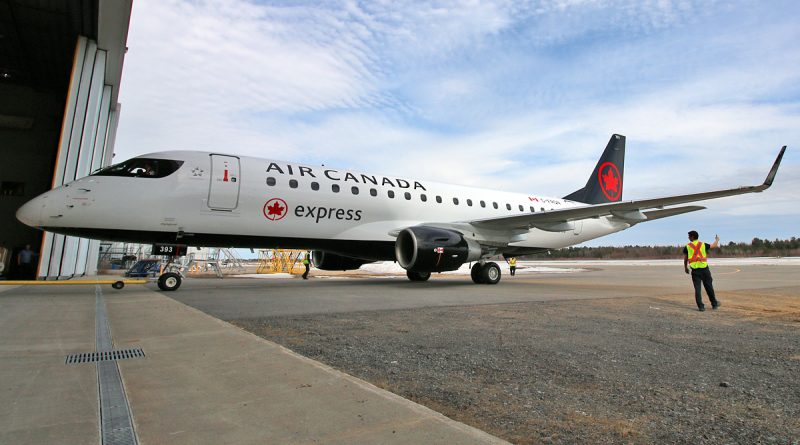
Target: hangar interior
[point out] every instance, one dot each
(60, 71)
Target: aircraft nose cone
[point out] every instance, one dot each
(31, 212)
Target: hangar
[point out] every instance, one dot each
(60, 72)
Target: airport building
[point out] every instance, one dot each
(60, 71)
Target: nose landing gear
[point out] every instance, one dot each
(169, 281)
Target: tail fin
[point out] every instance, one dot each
(605, 184)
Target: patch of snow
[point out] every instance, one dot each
(771, 261)
(392, 268)
(264, 275)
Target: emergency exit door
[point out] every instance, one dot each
(224, 191)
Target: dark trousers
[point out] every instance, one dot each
(703, 275)
(27, 271)
(305, 274)
(513, 269)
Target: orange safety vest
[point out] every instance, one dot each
(697, 255)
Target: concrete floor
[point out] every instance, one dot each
(203, 381)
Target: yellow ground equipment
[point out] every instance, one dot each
(278, 260)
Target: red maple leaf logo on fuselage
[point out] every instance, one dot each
(275, 209)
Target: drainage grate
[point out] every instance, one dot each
(104, 356)
(116, 425)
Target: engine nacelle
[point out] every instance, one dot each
(330, 261)
(428, 249)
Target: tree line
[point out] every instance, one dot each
(756, 248)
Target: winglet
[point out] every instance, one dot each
(774, 170)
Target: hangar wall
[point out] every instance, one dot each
(29, 123)
(85, 144)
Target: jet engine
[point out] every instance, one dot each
(330, 261)
(429, 249)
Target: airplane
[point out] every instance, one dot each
(346, 218)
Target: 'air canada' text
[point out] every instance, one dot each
(336, 175)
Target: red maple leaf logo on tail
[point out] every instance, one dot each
(275, 209)
(610, 181)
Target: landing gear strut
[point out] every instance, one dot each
(486, 273)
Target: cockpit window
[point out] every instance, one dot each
(141, 168)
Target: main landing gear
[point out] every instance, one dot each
(418, 276)
(486, 273)
(482, 273)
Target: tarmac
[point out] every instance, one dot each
(203, 380)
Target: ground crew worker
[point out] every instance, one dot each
(512, 265)
(307, 264)
(696, 259)
(27, 270)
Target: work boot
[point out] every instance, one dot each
(714, 306)
(702, 308)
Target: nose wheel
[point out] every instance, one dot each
(169, 281)
(486, 273)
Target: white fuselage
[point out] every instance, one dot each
(221, 200)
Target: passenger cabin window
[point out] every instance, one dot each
(293, 183)
(455, 201)
(408, 196)
(494, 204)
(508, 206)
(423, 197)
(390, 193)
(533, 209)
(469, 203)
(438, 199)
(373, 192)
(542, 208)
(270, 181)
(521, 208)
(335, 188)
(354, 190)
(483, 203)
(315, 185)
(141, 168)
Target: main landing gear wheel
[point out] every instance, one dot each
(118, 285)
(491, 273)
(418, 276)
(488, 273)
(170, 281)
(477, 268)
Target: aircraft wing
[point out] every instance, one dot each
(658, 214)
(630, 211)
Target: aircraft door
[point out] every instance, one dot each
(223, 193)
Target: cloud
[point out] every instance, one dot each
(520, 96)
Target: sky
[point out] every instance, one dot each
(510, 95)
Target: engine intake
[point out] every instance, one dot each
(330, 261)
(428, 249)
